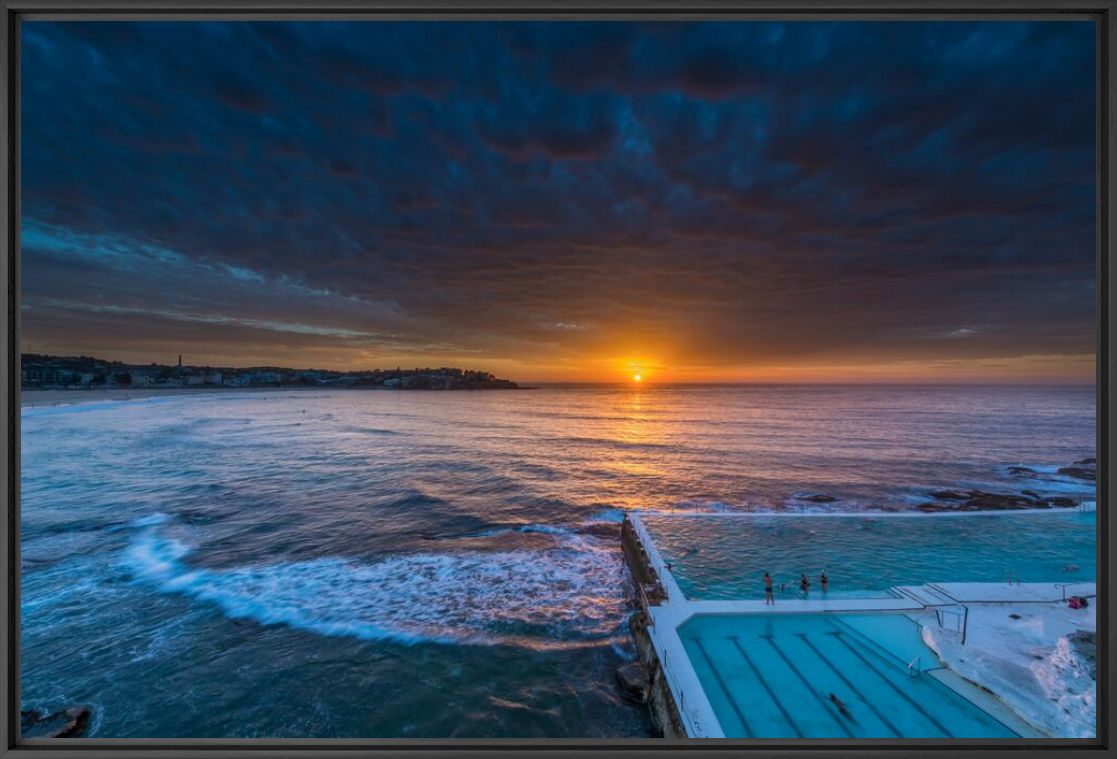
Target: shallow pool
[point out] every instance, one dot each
(827, 676)
(725, 557)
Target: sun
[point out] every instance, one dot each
(637, 378)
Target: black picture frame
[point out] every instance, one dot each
(14, 11)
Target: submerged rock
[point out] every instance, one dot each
(1083, 469)
(68, 723)
(979, 500)
(815, 497)
(1080, 471)
(633, 680)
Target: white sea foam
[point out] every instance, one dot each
(569, 595)
(151, 519)
(608, 515)
(544, 529)
(82, 406)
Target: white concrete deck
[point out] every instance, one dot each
(1002, 592)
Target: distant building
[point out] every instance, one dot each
(145, 377)
(236, 379)
(43, 375)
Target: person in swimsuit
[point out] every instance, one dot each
(768, 597)
(824, 581)
(842, 709)
(804, 584)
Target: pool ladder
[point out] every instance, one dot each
(914, 667)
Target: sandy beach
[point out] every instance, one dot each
(35, 398)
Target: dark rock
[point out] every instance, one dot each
(68, 723)
(1083, 472)
(1021, 470)
(27, 718)
(948, 495)
(815, 497)
(979, 500)
(929, 507)
(633, 681)
(1083, 462)
(1085, 644)
(601, 529)
(1061, 501)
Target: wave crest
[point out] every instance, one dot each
(567, 596)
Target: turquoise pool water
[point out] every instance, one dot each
(720, 557)
(784, 676)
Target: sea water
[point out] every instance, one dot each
(863, 555)
(330, 563)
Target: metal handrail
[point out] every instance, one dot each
(963, 616)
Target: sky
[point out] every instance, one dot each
(727, 201)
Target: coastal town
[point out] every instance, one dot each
(38, 371)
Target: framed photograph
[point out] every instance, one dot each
(390, 379)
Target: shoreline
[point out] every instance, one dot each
(34, 398)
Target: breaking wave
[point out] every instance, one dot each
(571, 595)
(542, 529)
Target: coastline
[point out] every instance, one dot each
(38, 398)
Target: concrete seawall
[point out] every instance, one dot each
(648, 591)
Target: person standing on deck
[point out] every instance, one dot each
(824, 581)
(804, 585)
(768, 597)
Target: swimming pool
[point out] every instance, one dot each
(715, 557)
(827, 676)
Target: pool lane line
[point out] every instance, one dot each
(841, 639)
(826, 707)
(872, 707)
(767, 688)
(724, 688)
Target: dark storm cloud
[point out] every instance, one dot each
(737, 192)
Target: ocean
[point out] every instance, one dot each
(346, 563)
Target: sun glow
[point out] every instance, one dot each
(637, 378)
